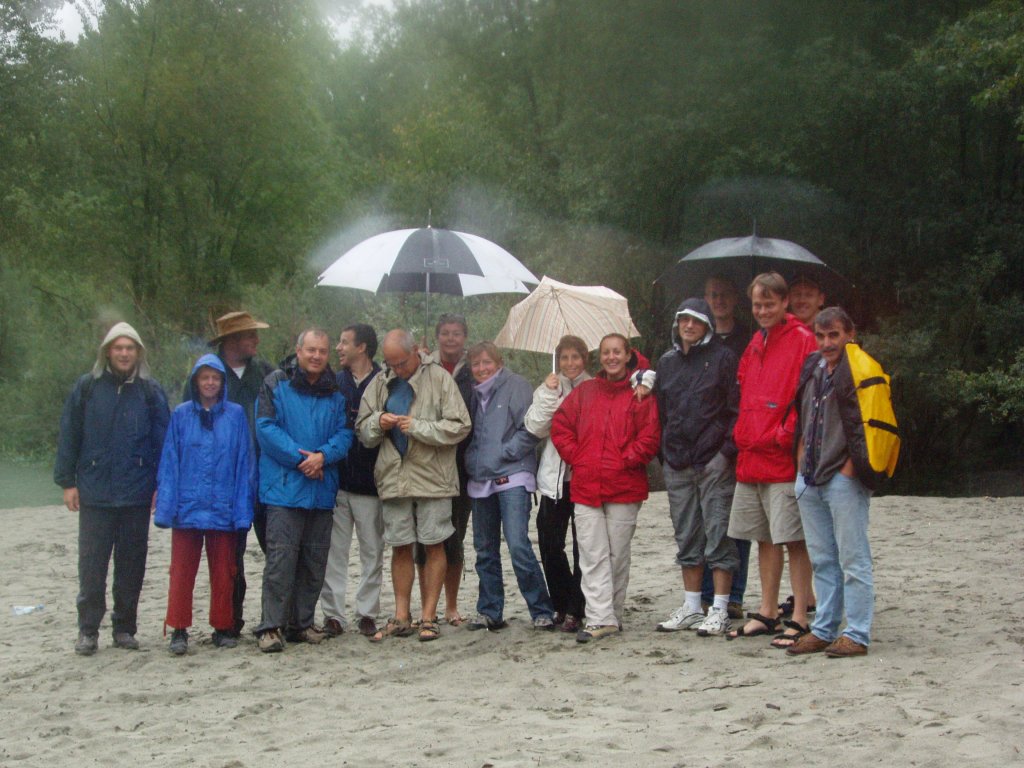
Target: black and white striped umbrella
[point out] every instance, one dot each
(429, 261)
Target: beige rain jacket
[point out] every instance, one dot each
(439, 422)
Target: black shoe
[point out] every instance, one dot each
(86, 645)
(179, 642)
(125, 641)
(224, 639)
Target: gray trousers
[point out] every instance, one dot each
(298, 541)
(699, 503)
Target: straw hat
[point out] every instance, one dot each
(235, 322)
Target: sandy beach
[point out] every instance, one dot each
(943, 684)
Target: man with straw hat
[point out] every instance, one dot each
(237, 339)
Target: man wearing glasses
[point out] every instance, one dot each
(415, 414)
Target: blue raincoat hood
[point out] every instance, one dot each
(208, 361)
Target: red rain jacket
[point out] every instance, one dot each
(768, 374)
(608, 438)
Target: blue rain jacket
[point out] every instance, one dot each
(291, 414)
(207, 471)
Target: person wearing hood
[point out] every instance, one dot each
(698, 401)
(302, 429)
(236, 341)
(608, 436)
(205, 495)
(111, 433)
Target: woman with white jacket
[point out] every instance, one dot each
(556, 513)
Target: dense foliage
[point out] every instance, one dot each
(185, 158)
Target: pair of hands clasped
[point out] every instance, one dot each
(312, 466)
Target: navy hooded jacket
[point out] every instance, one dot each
(698, 397)
(111, 434)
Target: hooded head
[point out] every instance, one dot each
(208, 361)
(696, 308)
(122, 330)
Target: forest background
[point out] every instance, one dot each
(183, 158)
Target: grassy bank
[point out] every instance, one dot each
(27, 484)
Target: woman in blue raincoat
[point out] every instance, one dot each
(204, 494)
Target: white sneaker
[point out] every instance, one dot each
(715, 623)
(680, 619)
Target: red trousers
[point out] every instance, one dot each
(186, 549)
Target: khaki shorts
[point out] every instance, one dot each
(408, 521)
(765, 512)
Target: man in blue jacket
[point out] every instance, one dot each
(302, 433)
(111, 434)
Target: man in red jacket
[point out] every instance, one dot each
(764, 506)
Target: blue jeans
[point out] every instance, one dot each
(509, 511)
(835, 521)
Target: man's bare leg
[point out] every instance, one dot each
(452, 581)
(432, 576)
(402, 575)
(769, 563)
(800, 574)
(423, 588)
(692, 575)
(722, 581)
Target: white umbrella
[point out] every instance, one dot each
(555, 309)
(429, 261)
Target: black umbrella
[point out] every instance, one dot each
(741, 259)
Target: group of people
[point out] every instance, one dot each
(754, 434)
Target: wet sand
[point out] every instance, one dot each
(942, 685)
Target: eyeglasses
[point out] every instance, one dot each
(400, 363)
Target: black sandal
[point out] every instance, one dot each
(771, 627)
(785, 641)
(786, 607)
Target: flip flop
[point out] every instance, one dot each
(454, 620)
(785, 640)
(771, 627)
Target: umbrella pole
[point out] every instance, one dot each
(426, 308)
(554, 362)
